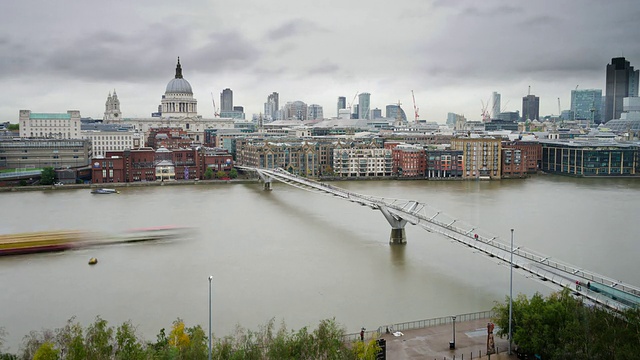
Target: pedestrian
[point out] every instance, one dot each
(362, 334)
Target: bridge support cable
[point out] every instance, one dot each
(597, 288)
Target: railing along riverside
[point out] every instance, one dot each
(418, 324)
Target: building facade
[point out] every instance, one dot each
(445, 164)
(40, 153)
(364, 106)
(50, 125)
(622, 81)
(272, 106)
(589, 158)
(362, 162)
(409, 161)
(482, 156)
(530, 108)
(342, 104)
(585, 105)
(226, 100)
(314, 112)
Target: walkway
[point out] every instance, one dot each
(433, 343)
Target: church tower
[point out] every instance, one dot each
(112, 109)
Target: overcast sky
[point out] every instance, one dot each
(69, 54)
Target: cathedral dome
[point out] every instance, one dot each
(179, 84)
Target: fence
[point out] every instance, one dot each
(418, 324)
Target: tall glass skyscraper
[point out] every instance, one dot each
(585, 105)
(364, 105)
(622, 82)
(342, 104)
(226, 100)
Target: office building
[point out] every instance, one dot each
(530, 108)
(296, 110)
(495, 110)
(364, 105)
(585, 105)
(226, 100)
(314, 112)
(392, 112)
(50, 125)
(271, 107)
(342, 104)
(376, 113)
(622, 82)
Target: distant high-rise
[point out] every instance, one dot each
(314, 112)
(271, 107)
(226, 100)
(585, 105)
(392, 112)
(364, 105)
(342, 104)
(376, 113)
(296, 110)
(622, 82)
(495, 110)
(530, 108)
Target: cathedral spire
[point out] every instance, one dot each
(178, 70)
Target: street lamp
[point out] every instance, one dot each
(511, 292)
(452, 345)
(210, 278)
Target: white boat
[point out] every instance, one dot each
(104, 191)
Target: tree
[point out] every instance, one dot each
(70, 338)
(208, 174)
(233, 173)
(13, 127)
(48, 176)
(178, 338)
(128, 347)
(99, 340)
(46, 351)
(221, 174)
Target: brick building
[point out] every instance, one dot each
(147, 164)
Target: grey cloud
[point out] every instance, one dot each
(324, 69)
(294, 28)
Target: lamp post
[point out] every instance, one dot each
(210, 278)
(511, 292)
(452, 345)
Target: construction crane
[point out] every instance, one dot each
(215, 110)
(415, 109)
(485, 113)
(352, 101)
(559, 108)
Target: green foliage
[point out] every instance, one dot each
(233, 173)
(561, 327)
(46, 351)
(13, 127)
(221, 174)
(48, 176)
(100, 341)
(208, 174)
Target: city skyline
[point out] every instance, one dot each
(442, 50)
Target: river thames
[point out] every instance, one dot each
(300, 257)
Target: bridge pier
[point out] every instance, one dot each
(267, 185)
(398, 235)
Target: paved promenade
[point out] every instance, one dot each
(433, 343)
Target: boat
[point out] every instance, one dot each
(44, 241)
(104, 191)
(153, 233)
(93, 261)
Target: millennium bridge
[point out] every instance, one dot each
(597, 288)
